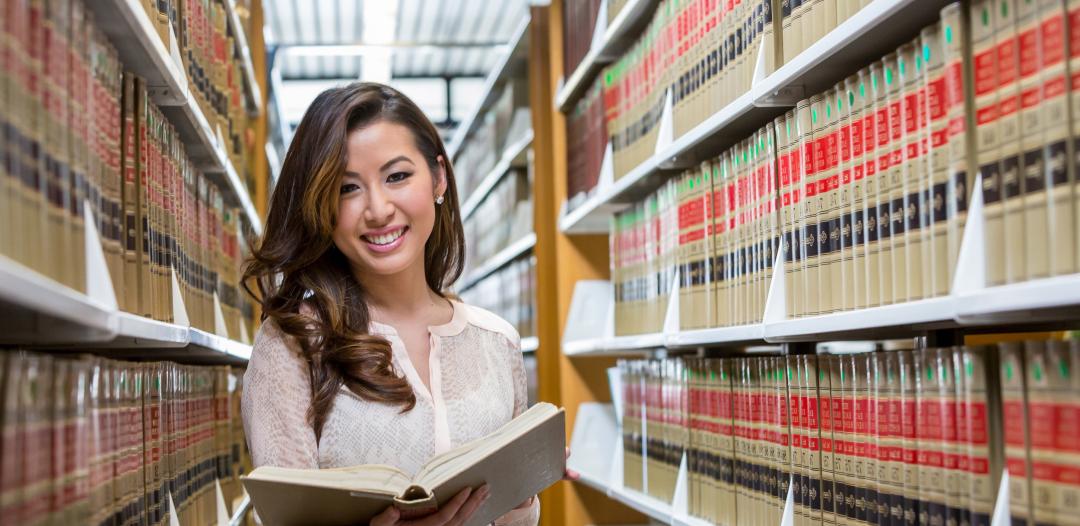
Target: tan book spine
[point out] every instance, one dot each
(879, 256)
(846, 486)
(721, 255)
(800, 484)
(1015, 418)
(827, 402)
(923, 172)
(129, 197)
(988, 135)
(784, 126)
(865, 447)
(960, 114)
(1072, 24)
(909, 367)
(697, 425)
(829, 279)
(907, 170)
(813, 144)
(894, 188)
(789, 40)
(1051, 189)
(854, 225)
(890, 438)
(800, 154)
(143, 208)
(842, 274)
(936, 109)
(951, 385)
(866, 191)
(1011, 51)
(813, 425)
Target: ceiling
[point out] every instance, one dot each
(430, 38)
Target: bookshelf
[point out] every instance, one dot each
(865, 36)
(584, 301)
(499, 260)
(142, 52)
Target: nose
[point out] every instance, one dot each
(379, 209)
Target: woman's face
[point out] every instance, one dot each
(387, 205)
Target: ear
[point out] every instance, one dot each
(440, 177)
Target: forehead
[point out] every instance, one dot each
(368, 148)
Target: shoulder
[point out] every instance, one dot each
(273, 349)
(486, 320)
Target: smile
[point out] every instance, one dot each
(386, 241)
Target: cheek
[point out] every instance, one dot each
(347, 217)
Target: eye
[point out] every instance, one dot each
(397, 177)
(349, 188)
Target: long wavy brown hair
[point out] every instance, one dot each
(297, 264)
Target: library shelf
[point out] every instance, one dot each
(40, 311)
(887, 321)
(609, 41)
(515, 52)
(530, 344)
(35, 308)
(862, 38)
(1052, 298)
(499, 260)
(750, 333)
(143, 53)
(514, 155)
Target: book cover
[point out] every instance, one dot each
(1015, 418)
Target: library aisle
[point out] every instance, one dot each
(781, 262)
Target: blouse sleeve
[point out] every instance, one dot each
(275, 401)
(530, 515)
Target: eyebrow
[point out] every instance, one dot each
(386, 165)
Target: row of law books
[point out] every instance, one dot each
(579, 24)
(871, 179)
(705, 54)
(913, 436)
(510, 293)
(506, 122)
(89, 135)
(88, 440)
(213, 64)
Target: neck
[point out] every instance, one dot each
(393, 296)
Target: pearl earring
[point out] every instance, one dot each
(439, 200)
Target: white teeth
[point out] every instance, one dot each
(386, 239)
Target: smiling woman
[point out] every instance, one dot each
(361, 357)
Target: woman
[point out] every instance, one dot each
(361, 357)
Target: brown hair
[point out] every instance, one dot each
(297, 264)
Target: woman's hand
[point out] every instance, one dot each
(570, 474)
(453, 513)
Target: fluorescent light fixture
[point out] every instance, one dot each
(380, 27)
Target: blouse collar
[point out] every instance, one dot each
(457, 323)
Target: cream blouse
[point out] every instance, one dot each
(477, 384)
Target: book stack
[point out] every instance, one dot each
(915, 436)
(579, 24)
(93, 441)
(587, 141)
(509, 292)
(88, 135)
(206, 42)
(643, 261)
(503, 217)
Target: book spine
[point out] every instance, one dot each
(960, 116)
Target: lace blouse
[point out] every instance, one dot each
(477, 378)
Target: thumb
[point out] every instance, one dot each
(388, 517)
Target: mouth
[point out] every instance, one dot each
(387, 241)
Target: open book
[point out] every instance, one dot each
(517, 461)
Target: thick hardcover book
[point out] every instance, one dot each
(1017, 444)
(517, 461)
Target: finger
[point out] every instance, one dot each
(478, 498)
(568, 453)
(571, 474)
(388, 517)
(447, 511)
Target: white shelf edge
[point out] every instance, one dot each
(499, 260)
(513, 151)
(252, 93)
(237, 518)
(25, 287)
(147, 332)
(493, 78)
(1018, 298)
(213, 342)
(939, 310)
(530, 344)
(595, 58)
(788, 75)
(740, 333)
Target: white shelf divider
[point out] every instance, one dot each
(513, 152)
(142, 52)
(609, 41)
(499, 260)
(866, 35)
(530, 344)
